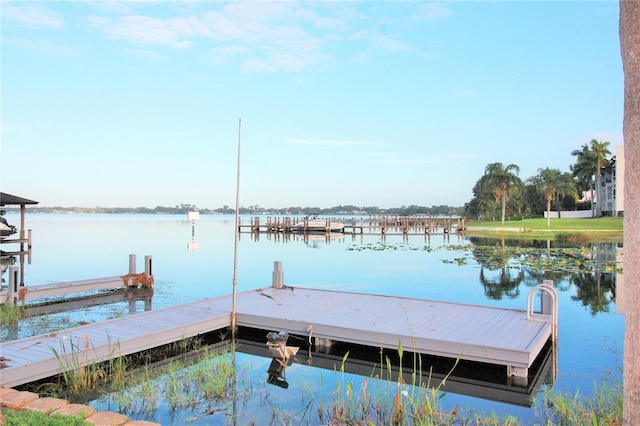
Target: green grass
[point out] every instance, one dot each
(540, 224)
(11, 314)
(602, 229)
(33, 418)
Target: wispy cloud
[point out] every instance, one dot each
(383, 42)
(403, 159)
(143, 30)
(432, 11)
(333, 142)
(224, 54)
(45, 47)
(146, 54)
(33, 15)
(259, 36)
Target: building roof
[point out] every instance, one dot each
(13, 200)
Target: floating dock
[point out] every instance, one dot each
(505, 337)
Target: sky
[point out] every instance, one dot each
(387, 104)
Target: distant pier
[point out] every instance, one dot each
(373, 225)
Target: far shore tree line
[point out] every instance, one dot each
(412, 210)
(500, 193)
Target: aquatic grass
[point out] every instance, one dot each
(604, 408)
(571, 239)
(78, 375)
(11, 313)
(385, 397)
(184, 383)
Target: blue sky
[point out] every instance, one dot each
(382, 104)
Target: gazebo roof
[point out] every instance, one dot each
(13, 200)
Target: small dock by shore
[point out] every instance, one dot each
(17, 292)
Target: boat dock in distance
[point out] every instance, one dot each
(374, 225)
(509, 338)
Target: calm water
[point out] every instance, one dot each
(74, 247)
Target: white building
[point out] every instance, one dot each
(611, 189)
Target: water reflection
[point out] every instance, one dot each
(507, 264)
(594, 290)
(474, 379)
(412, 266)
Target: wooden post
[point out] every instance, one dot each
(132, 263)
(277, 280)
(148, 271)
(13, 285)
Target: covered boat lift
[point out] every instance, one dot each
(13, 200)
(24, 237)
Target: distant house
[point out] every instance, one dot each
(611, 189)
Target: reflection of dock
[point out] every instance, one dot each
(374, 225)
(466, 378)
(509, 338)
(130, 295)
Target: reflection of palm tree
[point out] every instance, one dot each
(535, 277)
(592, 289)
(505, 284)
(495, 259)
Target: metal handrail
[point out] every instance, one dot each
(546, 286)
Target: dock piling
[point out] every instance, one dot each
(148, 266)
(278, 275)
(13, 285)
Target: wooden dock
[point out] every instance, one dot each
(375, 225)
(506, 337)
(16, 292)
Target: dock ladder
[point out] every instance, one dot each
(548, 305)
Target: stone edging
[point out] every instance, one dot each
(22, 400)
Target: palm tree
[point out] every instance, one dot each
(600, 153)
(498, 180)
(554, 184)
(584, 170)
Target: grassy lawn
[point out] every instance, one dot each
(595, 224)
(601, 229)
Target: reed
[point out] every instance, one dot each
(11, 313)
(77, 374)
(386, 398)
(604, 408)
(183, 383)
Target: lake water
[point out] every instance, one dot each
(192, 263)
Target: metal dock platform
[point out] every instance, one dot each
(507, 337)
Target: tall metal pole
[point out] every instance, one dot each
(237, 236)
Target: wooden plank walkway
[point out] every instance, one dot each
(491, 335)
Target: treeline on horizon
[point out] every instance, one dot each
(498, 193)
(442, 210)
